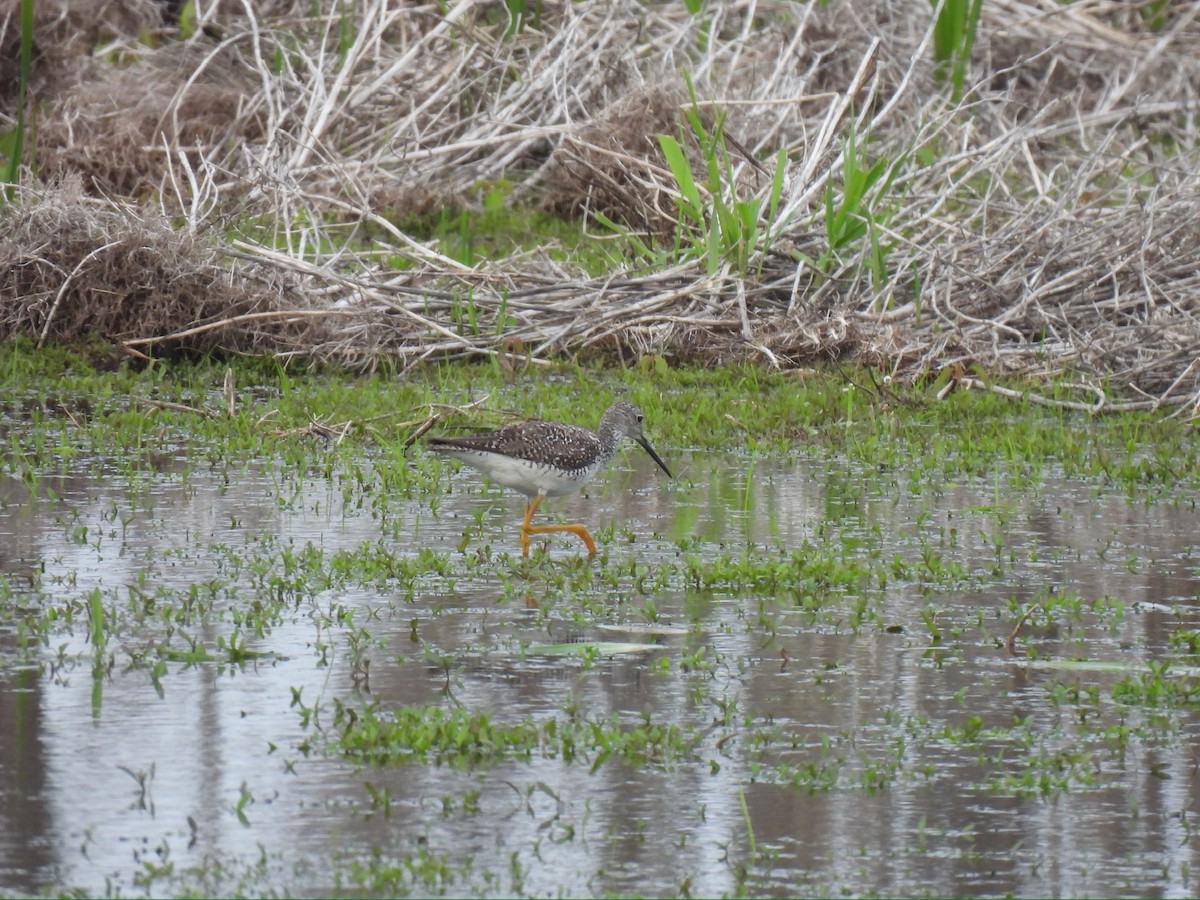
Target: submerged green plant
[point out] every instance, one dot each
(464, 738)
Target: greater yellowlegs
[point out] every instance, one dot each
(549, 459)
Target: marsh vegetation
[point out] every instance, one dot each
(907, 293)
(902, 649)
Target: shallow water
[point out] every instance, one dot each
(849, 737)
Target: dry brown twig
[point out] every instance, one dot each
(1010, 645)
(175, 407)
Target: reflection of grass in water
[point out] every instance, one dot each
(379, 873)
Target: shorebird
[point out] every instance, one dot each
(549, 459)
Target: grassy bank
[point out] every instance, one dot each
(64, 404)
(923, 189)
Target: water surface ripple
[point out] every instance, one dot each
(850, 735)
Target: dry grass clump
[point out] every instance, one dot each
(1113, 292)
(1061, 62)
(121, 129)
(65, 34)
(1043, 225)
(613, 165)
(72, 267)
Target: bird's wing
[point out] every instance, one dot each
(568, 447)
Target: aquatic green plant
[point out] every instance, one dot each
(465, 738)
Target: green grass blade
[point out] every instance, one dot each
(953, 39)
(781, 159)
(639, 246)
(747, 214)
(959, 77)
(948, 29)
(681, 169)
(712, 247)
(829, 214)
(96, 619)
(693, 113)
(25, 64)
(773, 199)
(730, 225)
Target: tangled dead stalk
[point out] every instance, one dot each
(244, 187)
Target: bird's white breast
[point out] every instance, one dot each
(530, 478)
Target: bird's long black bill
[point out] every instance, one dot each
(654, 456)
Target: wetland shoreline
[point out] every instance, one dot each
(793, 655)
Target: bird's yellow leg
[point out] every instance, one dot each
(579, 530)
(527, 528)
(531, 506)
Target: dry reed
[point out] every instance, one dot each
(1046, 225)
